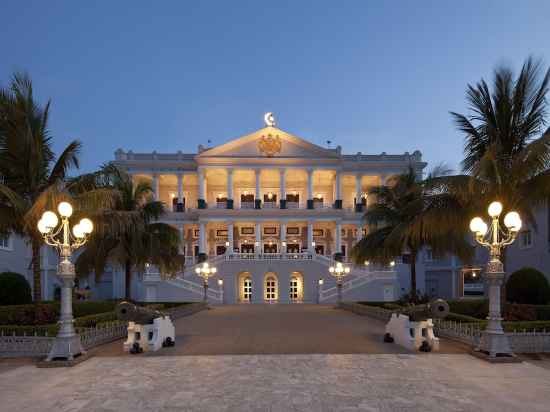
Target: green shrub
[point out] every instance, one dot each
(92, 307)
(20, 330)
(14, 289)
(91, 321)
(517, 312)
(528, 285)
(538, 325)
(542, 312)
(456, 317)
(476, 308)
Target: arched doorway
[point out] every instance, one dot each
(296, 290)
(271, 287)
(245, 287)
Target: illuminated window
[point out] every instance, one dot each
(5, 242)
(526, 239)
(247, 289)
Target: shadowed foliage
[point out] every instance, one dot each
(406, 217)
(32, 176)
(127, 235)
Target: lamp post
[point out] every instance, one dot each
(67, 343)
(205, 271)
(339, 272)
(493, 340)
(220, 284)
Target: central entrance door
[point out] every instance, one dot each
(247, 289)
(270, 288)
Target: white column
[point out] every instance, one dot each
(202, 184)
(282, 184)
(257, 176)
(282, 235)
(338, 183)
(202, 237)
(359, 235)
(180, 187)
(230, 184)
(156, 187)
(309, 184)
(258, 243)
(338, 238)
(230, 236)
(310, 237)
(182, 237)
(358, 191)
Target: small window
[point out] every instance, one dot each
(247, 230)
(221, 233)
(526, 239)
(428, 255)
(270, 230)
(5, 242)
(292, 230)
(318, 232)
(196, 233)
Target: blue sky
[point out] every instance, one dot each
(371, 76)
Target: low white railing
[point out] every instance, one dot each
(247, 205)
(196, 288)
(268, 256)
(270, 205)
(292, 205)
(353, 283)
(221, 205)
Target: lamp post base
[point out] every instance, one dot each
(495, 344)
(65, 348)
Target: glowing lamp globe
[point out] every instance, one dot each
(198, 271)
(65, 209)
(392, 263)
(476, 225)
(512, 221)
(42, 228)
(495, 209)
(78, 231)
(86, 225)
(346, 269)
(50, 219)
(213, 270)
(331, 269)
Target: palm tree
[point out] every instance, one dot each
(128, 235)
(507, 150)
(32, 175)
(407, 217)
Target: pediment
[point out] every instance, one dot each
(269, 142)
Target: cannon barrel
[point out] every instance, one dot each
(435, 309)
(129, 312)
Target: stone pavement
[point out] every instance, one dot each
(277, 329)
(390, 382)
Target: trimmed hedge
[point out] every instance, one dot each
(528, 285)
(476, 308)
(14, 289)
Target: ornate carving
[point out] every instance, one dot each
(270, 145)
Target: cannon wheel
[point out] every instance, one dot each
(135, 349)
(388, 338)
(168, 342)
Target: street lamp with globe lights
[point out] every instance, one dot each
(494, 341)
(339, 272)
(205, 271)
(67, 343)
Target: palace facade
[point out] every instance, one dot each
(271, 211)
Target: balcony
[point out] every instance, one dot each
(292, 205)
(247, 205)
(270, 205)
(221, 205)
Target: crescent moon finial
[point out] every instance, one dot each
(269, 119)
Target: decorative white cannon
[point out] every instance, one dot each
(148, 330)
(413, 327)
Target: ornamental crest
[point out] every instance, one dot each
(270, 145)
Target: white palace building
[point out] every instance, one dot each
(271, 211)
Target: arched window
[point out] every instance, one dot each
(270, 289)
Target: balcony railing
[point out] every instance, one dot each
(292, 205)
(247, 205)
(221, 205)
(270, 205)
(269, 256)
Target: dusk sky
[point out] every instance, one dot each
(371, 76)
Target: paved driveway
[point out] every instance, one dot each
(277, 329)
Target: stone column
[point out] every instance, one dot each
(258, 243)
(310, 237)
(202, 190)
(359, 234)
(156, 187)
(202, 240)
(257, 197)
(282, 234)
(310, 188)
(338, 239)
(179, 206)
(182, 238)
(358, 193)
(338, 190)
(230, 188)
(282, 185)
(230, 237)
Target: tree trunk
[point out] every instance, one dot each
(128, 282)
(413, 278)
(36, 272)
